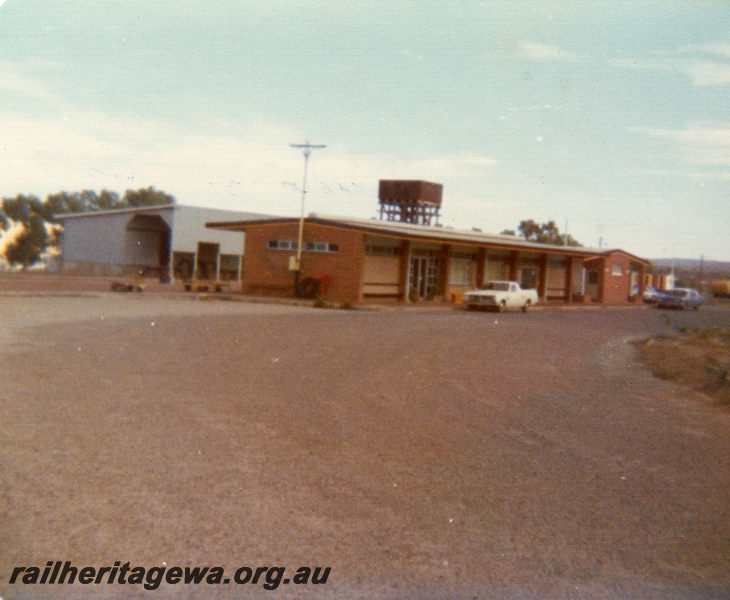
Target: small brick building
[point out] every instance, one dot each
(360, 261)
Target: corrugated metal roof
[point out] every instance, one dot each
(118, 211)
(182, 207)
(426, 233)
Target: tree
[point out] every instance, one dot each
(530, 230)
(62, 203)
(21, 207)
(29, 244)
(79, 202)
(147, 197)
(108, 200)
(32, 237)
(36, 220)
(546, 233)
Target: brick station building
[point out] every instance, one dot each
(404, 257)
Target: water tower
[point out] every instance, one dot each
(410, 201)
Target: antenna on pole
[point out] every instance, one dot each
(306, 149)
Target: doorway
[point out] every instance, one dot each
(147, 245)
(207, 261)
(423, 276)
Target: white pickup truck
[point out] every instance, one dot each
(499, 296)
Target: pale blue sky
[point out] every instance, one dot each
(612, 117)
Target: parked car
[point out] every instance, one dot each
(680, 298)
(499, 296)
(651, 294)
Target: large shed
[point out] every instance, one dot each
(168, 242)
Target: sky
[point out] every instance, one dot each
(610, 118)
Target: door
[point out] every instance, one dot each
(418, 276)
(634, 284)
(207, 261)
(423, 278)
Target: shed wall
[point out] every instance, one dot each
(104, 238)
(189, 229)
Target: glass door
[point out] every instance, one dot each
(423, 278)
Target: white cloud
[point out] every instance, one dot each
(13, 80)
(706, 73)
(693, 135)
(722, 50)
(708, 67)
(721, 176)
(696, 175)
(248, 167)
(546, 52)
(700, 145)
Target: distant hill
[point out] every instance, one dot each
(690, 263)
(711, 269)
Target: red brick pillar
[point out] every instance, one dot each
(569, 279)
(445, 269)
(405, 254)
(513, 261)
(542, 277)
(481, 257)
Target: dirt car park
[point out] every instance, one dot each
(420, 452)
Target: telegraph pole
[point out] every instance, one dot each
(306, 149)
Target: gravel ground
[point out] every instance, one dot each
(421, 453)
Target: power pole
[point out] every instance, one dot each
(306, 149)
(702, 267)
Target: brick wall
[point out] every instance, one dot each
(266, 271)
(616, 286)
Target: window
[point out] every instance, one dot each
(617, 270)
(382, 250)
(230, 265)
(283, 245)
(528, 278)
(497, 286)
(308, 246)
(460, 271)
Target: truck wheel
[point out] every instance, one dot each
(526, 306)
